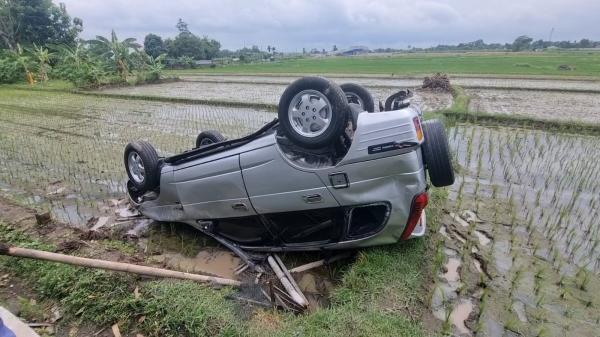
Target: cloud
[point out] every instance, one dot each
(294, 24)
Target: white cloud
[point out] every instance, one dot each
(293, 24)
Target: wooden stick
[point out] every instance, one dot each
(286, 283)
(114, 266)
(319, 263)
(290, 277)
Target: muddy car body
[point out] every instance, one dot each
(263, 192)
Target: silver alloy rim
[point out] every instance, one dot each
(136, 167)
(206, 141)
(310, 113)
(354, 98)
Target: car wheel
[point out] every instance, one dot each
(436, 154)
(359, 95)
(313, 112)
(141, 163)
(209, 137)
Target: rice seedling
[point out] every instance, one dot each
(543, 180)
(66, 150)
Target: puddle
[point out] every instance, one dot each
(442, 295)
(483, 238)
(493, 328)
(213, 261)
(460, 314)
(316, 288)
(451, 275)
(502, 256)
(450, 252)
(444, 232)
(519, 308)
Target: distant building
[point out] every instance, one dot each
(203, 63)
(356, 50)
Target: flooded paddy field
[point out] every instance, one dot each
(519, 250)
(563, 106)
(262, 93)
(66, 150)
(538, 102)
(516, 253)
(411, 82)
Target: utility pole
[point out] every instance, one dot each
(551, 33)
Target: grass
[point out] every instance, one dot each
(520, 121)
(378, 294)
(104, 298)
(489, 63)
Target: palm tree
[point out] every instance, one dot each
(119, 52)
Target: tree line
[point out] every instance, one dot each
(40, 40)
(521, 43)
(186, 48)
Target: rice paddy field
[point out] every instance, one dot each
(65, 150)
(513, 250)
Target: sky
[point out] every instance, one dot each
(291, 25)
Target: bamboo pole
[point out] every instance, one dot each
(319, 263)
(296, 297)
(114, 266)
(290, 277)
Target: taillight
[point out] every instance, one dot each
(416, 209)
(418, 128)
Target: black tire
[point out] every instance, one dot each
(339, 114)
(353, 89)
(209, 137)
(396, 101)
(436, 154)
(149, 159)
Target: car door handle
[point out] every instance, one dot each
(312, 198)
(240, 206)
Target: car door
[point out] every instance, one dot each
(213, 188)
(275, 186)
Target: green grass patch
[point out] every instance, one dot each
(585, 63)
(103, 298)
(90, 295)
(520, 121)
(378, 294)
(175, 308)
(49, 85)
(118, 245)
(373, 297)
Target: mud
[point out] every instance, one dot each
(563, 106)
(265, 93)
(521, 252)
(451, 275)
(75, 174)
(566, 84)
(483, 238)
(460, 314)
(213, 261)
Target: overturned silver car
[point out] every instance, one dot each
(329, 173)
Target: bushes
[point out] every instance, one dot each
(84, 65)
(10, 70)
